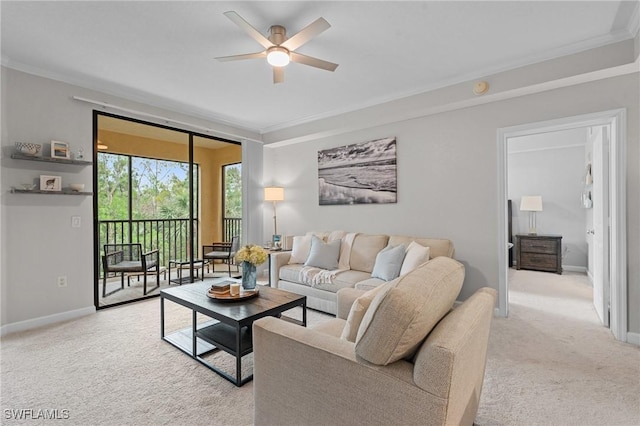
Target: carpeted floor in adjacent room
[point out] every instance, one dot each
(549, 363)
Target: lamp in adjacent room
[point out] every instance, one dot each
(531, 204)
(274, 194)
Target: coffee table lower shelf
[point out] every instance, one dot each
(211, 337)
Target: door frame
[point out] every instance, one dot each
(617, 120)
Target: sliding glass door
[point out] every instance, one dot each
(158, 198)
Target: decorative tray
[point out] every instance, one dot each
(244, 295)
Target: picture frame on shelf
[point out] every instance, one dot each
(50, 183)
(60, 150)
(277, 242)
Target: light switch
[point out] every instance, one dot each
(76, 221)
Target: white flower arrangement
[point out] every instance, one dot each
(253, 254)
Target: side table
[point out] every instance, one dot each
(181, 264)
(539, 252)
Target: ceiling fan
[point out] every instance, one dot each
(279, 50)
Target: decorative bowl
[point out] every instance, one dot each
(27, 148)
(28, 186)
(76, 187)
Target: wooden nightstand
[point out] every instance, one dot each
(539, 252)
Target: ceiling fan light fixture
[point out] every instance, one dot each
(278, 56)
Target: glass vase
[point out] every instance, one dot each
(248, 276)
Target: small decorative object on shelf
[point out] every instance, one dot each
(30, 149)
(28, 186)
(250, 256)
(60, 150)
(76, 187)
(50, 183)
(80, 154)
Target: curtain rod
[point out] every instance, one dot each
(167, 120)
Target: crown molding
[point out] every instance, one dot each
(130, 94)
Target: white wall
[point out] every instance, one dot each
(38, 243)
(447, 176)
(551, 165)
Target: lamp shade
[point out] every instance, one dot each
(531, 203)
(273, 193)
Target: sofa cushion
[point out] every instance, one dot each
(402, 313)
(416, 255)
(364, 250)
(388, 263)
(369, 284)
(350, 278)
(301, 248)
(358, 309)
(342, 279)
(323, 255)
(291, 272)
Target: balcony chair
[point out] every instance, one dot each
(224, 251)
(127, 258)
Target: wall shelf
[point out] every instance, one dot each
(17, 156)
(37, 191)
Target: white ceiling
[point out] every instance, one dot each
(162, 53)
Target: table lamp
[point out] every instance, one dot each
(531, 204)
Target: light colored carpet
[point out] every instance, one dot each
(552, 363)
(549, 363)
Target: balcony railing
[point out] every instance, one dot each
(231, 226)
(169, 236)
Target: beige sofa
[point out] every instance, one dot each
(422, 364)
(362, 259)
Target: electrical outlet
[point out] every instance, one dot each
(76, 221)
(62, 281)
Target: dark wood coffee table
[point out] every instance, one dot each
(230, 327)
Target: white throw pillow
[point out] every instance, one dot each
(388, 262)
(416, 256)
(300, 249)
(323, 255)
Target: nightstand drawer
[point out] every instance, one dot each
(539, 246)
(540, 262)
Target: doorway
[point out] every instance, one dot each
(616, 122)
(159, 190)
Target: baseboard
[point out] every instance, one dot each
(570, 268)
(42, 321)
(590, 276)
(633, 338)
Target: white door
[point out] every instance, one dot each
(600, 231)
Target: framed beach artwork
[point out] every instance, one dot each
(363, 173)
(60, 150)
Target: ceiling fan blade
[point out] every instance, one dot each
(256, 55)
(278, 75)
(239, 21)
(306, 34)
(314, 62)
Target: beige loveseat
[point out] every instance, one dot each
(414, 360)
(363, 251)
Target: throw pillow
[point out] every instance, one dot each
(300, 249)
(388, 263)
(398, 320)
(323, 255)
(358, 309)
(416, 255)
